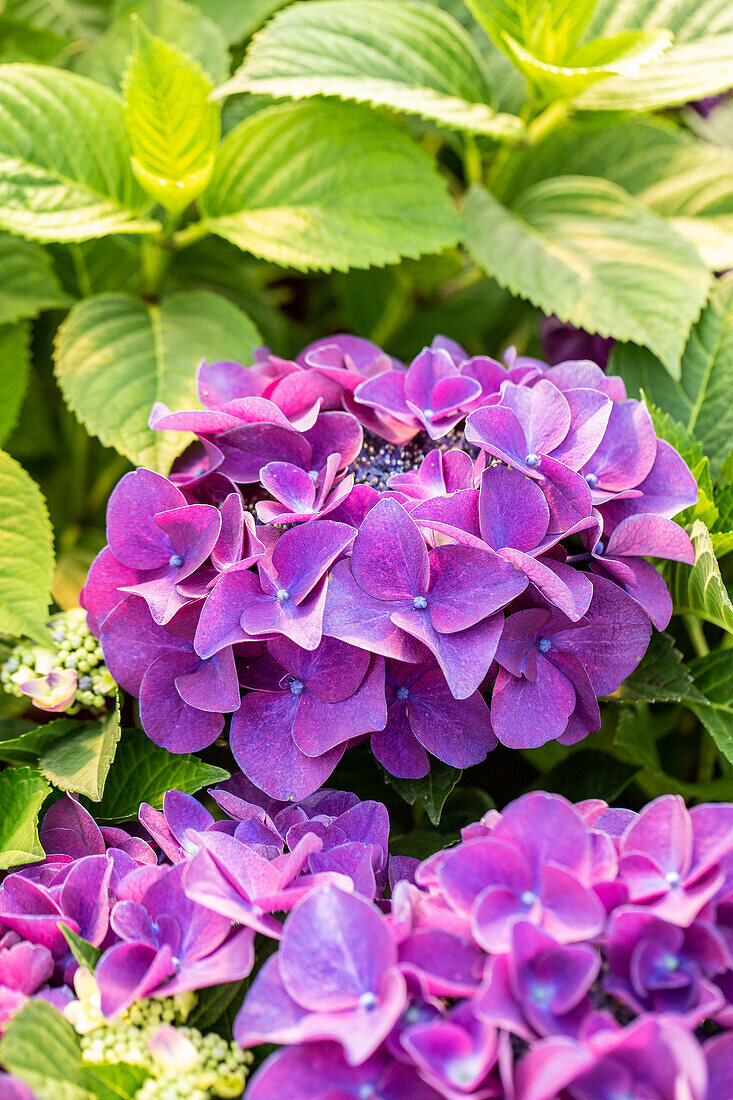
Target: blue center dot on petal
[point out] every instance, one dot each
(419, 603)
(671, 963)
(528, 898)
(313, 475)
(532, 460)
(402, 692)
(296, 686)
(672, 878)
(282, 595)
(368, 1000)
(599, 547)
(544, 645)
(592, 480)
(175, 561)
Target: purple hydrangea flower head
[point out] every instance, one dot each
(25, 968)
(455, 1054)
(290, 731)
(335, 976)
(341, 495)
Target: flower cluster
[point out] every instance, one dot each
(67, 677)
(558, 952)
(352, 548)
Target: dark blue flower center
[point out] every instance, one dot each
(402, 692)
(533, 461)
(528, 898)
(282, 595)
(592, 480)
(368, 1000)
(419, 603)
(544, 644)
(296, 686)
(175, 561)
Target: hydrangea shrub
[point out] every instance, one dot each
(438, 557)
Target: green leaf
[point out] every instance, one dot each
(54, 187)
(217, 1006)
(410, 56)
(143, 772)
(588, 774)
(237, 20)
(70, 19)
(114, 1080)
(29, 283)
(173, 128)
(698, 589)
(430, 792)
(26, 554)
(85, 953)
(690, 450)
(624, 55)
(323, 184)
(548, 30)
(662, 676)
(717, 128)
(41, 1048)
(80, 760)
(688, 71)
(15, 344)
(687, 19)
(22, 793)
(116, 356)
(714, 677)
(178, 23)
(568, 245)
(670, 171)
(700, 401)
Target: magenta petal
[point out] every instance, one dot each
(650, 591)
(456, 570)
(220, 624)
(528, 713)
(456, 732)
(567, 494)
(512, 509)
(268, 1013)
(650, 536)
(389, 557)
(321, 725)
(132, 533)
(129, 971)
(334, 671)
(571, 912)
(354, 616)
(229, 963)
(496, 429)
(223, 381)
(335, 433)
(543, 411)
(103, 587)
(302, 622)
(166, 718)
(450, 965)
(85, 897)
(626, 454)
(396, 747)
(385, 392)
(667, 489)
(456, 516)
(590, 413)
(250, 447)
(465, 656)
(132, 641)
(201, 422)
(304, 554)
(452, 393)
(561, 585)
(213, 686)
(262, 743)
(289, 484)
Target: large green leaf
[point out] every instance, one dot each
(174, 21)
(410, 56)
(80, 759)
(669, 170)
(173, 128)
(699, 589)
(22, 793)
(29, 284)
(700, 401)
(687, 19)
(66, 19)
(688, 71)
(430, 792)
(15, 343)
(323, 184)
(54, 186)
(587, 774)
(26, 553)
(662, 676)
(583, 249)
(116, 356)
(143, 772)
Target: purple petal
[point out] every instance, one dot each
(250, 447)
(628, 449)
(543, 411)
(456, 570)
(289, 484)
(263, 613)
(650, 536)
(389, 558)
(132, 533)
(456, 732)
(386, 392)
(525, 713)
(223, 381)
(166, 718)
(213, 686)
(590, 412)
(667, 489)
(129, 971)
(304, 554)
(321, 725)
(496, 429)
(132, 641)
(465, 656)
(512, 510)
(356, 617)
(396, 747)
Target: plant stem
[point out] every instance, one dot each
(190, 235)
(697, 636)
(708, 758)
(157, 254)
(472, 162)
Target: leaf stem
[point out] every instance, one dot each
(190, 235)
(696, 635)
(157, 255)
(472, 161)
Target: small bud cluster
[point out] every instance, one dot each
(182, 1061)
(67, 677)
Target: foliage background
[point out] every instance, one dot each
(180, 179)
